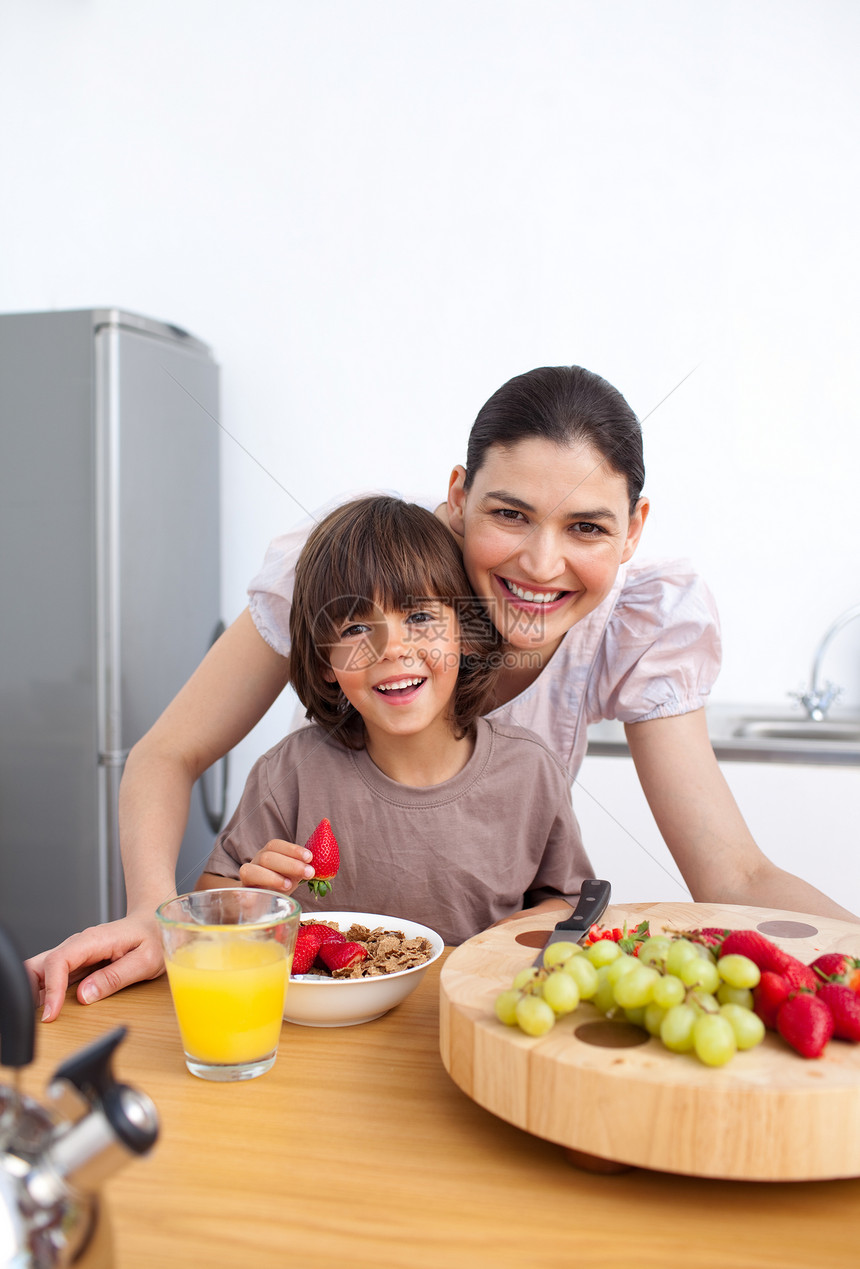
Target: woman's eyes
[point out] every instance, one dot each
(509, 514)
(581, 528)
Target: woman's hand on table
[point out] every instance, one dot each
(124, 952)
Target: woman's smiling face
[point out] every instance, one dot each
(544, 528)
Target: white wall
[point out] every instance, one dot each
(378, 210)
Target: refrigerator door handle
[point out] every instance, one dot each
(215, 814)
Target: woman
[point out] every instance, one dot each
(549, 512)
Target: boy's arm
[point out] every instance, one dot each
(211, 881)
(557, 909)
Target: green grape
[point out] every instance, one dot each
(653, 1019)
(702, 1002)
(622, 965)
(558, 952)
(654, 950)
(747, 1026)
(583, 974)
(636, 1016)
(738, 971)
(742, 996)
(714, 1039)
(560, 992)
(603, 952)
(669, 991)
(506, 1007)
(604, 996)
(525, 977)
(635, 989)
(701, 974)
(534, 1015)
(680, 952)
(676, 1029)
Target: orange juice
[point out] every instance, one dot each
(229, 997)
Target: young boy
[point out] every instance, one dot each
(442, 817)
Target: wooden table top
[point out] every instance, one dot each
(357, 1149)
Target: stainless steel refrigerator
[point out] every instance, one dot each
(109, 594)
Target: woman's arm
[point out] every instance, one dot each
(227, 695)
(702, 825)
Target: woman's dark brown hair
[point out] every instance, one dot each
(393, 554)
(567, 405)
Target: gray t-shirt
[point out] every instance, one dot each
(499, 836)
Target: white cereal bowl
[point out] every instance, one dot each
(315, 1001)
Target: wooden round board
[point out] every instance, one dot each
(768, 1115)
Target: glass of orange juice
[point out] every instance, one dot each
(228, 955)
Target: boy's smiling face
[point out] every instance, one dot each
(399, 669)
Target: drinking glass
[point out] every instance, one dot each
(228, 955)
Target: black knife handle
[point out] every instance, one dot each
(593, 902)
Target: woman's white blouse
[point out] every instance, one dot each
(651, 649)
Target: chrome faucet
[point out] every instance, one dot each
(817, 700)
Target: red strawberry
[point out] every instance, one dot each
(711, 936)
(771, 992)
(324, 933)
(342, 955)
(844, 1005)
(805, 1022)
(837, 967)
(307, 946)
(767, 956)
(322, 844)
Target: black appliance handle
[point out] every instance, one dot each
(17, 1008)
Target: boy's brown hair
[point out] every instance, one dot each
(394, 554)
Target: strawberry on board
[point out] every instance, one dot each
(844, 1005)
(806, 1023)
(711, 936)
(768, 957)
(342, 955)
(772, 992)
(322, 844)
(838, 967)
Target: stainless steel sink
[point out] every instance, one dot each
(803, 729)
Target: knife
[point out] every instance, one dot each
(593, 900)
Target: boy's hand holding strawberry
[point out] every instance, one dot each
(283, 865)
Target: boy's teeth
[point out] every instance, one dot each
(533, 597)
(398, 687)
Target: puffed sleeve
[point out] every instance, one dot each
(660, 651)
(270, 593)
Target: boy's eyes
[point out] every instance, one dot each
(356, 628)
(419, 617)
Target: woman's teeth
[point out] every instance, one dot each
(401, 686)
(532, 596)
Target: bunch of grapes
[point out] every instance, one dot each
(673, 987)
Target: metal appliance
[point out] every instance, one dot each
(53, 1161)
(109, 577)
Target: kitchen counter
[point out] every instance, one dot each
(750, 733)
(357, 1149)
